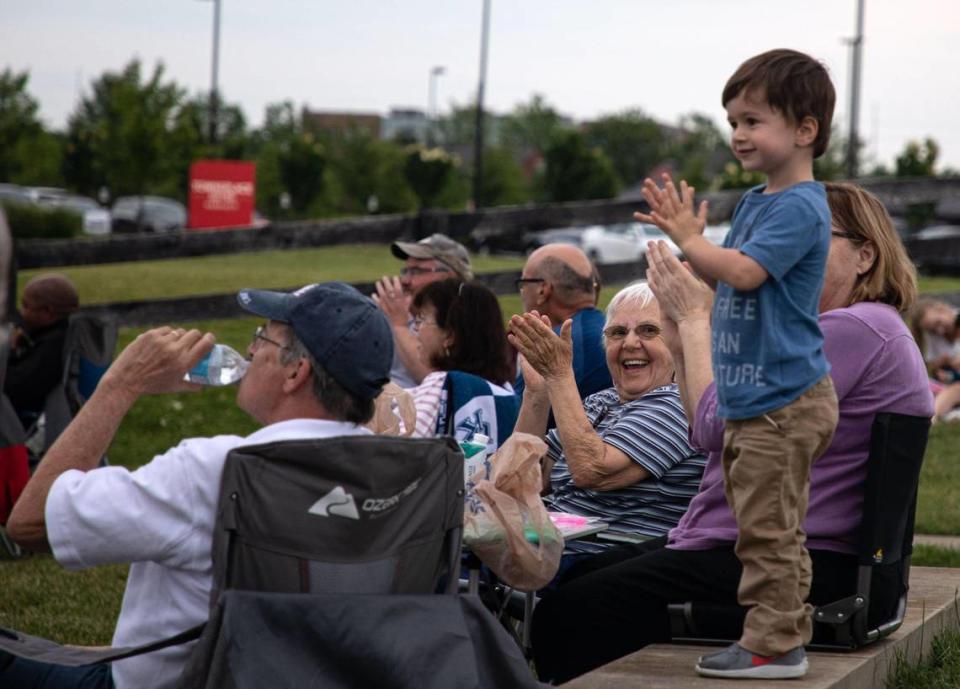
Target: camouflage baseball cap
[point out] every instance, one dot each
(439, 247)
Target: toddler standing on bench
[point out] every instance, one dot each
(772, 377)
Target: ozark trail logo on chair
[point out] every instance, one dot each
(337, 502)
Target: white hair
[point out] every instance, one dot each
(636, 294)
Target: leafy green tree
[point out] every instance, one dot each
(370, 175)
(574, 171)
(918, 159)
(28, 153)
(119, 134)
(634, 142)
(457, 129)
(292, 166)
(531, 125)
(832, 165)
(734, 176)
(504, 183)
(428, 172)
(303, 161)
(701, 151)
(189, 142)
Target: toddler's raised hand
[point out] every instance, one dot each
(673, 211)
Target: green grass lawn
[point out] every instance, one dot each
(40, 598)
(145, 280)
(939, 284)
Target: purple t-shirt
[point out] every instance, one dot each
(875, 367)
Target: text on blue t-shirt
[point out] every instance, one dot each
(766, 343)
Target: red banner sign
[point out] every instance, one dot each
(222, 194)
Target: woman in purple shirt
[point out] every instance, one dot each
(616, 602)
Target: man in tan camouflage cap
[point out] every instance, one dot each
(434, 258)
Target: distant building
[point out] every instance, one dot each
(342, 122)
(407, 125)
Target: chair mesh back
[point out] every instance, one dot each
(361, 514)
(897, 445)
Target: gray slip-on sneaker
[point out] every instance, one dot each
(736, 662)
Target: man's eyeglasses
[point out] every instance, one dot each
(645, 331)
(414, 271)
(520, 282)
(258, 336)
(418, 323)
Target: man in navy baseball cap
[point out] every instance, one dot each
(316, 366)
(342, 330)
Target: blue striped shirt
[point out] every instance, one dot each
(652, 431)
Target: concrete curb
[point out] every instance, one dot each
(932, 607)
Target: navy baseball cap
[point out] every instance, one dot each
(344, 331)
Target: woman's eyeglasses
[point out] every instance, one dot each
(843, 234)
(645, 331)
(418, 323)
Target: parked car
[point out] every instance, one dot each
(14, 193)
(486, 242)
(622, 242)
(96, 219)
(716, 233)
(148, 214)
(43, 195)
(935, 249)
(937, 232)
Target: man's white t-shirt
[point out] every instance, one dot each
(159, 518)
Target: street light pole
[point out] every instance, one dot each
(478, 135)
(214, 90)
(856, 48)
(435, 73)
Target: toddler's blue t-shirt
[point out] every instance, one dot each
(766, 343)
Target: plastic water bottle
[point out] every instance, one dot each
(476, 457)
(222, 366)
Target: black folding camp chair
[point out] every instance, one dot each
(356, 519)
(88, 349)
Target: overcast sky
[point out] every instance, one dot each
(668, 57)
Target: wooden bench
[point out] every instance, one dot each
(933, 605)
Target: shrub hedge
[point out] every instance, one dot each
(35, 222)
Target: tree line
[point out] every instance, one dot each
(137, 132)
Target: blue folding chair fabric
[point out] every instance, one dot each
(474, 405)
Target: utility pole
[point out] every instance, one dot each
(435, 73)
(478, 135)
(214, 90)
(856, 49)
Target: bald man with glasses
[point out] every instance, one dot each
(558, 281)
(434, 258)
